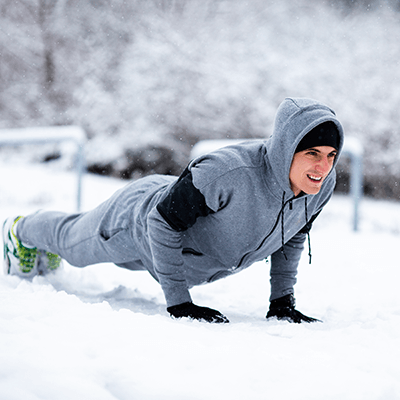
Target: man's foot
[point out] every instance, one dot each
(21, 260)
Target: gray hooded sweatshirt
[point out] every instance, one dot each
(252, 211)
(229, 209)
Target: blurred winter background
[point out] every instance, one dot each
(147, 79)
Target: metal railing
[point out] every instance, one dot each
(53, 134)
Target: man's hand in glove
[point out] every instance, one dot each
(190, 310)
(283, 309)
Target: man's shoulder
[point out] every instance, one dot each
(232, 174)
(230, 160)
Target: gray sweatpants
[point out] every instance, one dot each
(101, 235)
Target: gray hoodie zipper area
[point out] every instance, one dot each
(279, 217)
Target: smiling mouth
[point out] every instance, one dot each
(315, 178)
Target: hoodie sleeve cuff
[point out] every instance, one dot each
(176, 294)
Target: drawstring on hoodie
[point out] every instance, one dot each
(283, 228)
(308, 232)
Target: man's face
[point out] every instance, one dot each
(309, 169)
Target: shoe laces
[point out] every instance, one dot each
(53, 260)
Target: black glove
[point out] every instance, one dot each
(190, 310)
(283, 309)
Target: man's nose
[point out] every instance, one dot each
(323, 166)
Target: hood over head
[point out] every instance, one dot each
(294, 119)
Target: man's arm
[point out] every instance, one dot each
(177, 212)
(283, 278)
(166, 249)
(284, 269)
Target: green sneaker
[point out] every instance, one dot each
(26, 262)
(48, 262)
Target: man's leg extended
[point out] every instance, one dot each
(100, 235)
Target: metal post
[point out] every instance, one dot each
(353, 149)
(54, 134)
(80, 166)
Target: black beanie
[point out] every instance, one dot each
(325, 134)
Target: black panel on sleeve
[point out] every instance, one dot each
(183, 204)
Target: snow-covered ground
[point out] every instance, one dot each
(102, 333)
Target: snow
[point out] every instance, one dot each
(103, 333)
